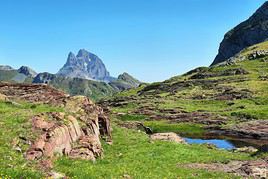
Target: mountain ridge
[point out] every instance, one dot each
(252, 31)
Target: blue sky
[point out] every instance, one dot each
(151, 39)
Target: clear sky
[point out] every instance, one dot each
(152, 40)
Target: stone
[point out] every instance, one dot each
(246, 149)
(56, 175)
(245, 169)
(172, 137)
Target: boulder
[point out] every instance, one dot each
(171, 136)
(246, 149)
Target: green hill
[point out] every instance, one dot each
(229, 96)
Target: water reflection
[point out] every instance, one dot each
(226, 142)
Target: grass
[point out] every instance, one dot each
(131, 117)
(132, 154)
(15, 122)
(179, 128)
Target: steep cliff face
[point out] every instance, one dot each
(250, 32)
(85, 65)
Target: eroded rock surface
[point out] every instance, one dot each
(75, 132)
(257, 129)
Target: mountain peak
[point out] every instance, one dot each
(27, 71)
(85, 65)
(252, 31)
(82, 53)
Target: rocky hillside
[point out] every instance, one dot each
(250, 32)
(229, 98)
(85, 65)
(70, 126)
(124, 82)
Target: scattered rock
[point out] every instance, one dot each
(258, 54)
(56, 175)
(233, 94)
(263, 78)
(228, 72)
(172, 137)
(246, 149)
(255, 169)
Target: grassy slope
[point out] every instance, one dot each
(131, 153)
(15, 123)
(159, 95)
(92, 89)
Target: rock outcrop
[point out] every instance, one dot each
(27, 71)
(245, 169)
(250, 32)
(75, 132)
(85, 65)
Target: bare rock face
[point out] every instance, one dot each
(171, 136)
(75, 132)
(27, 71)
(85, 65)
(250, 32)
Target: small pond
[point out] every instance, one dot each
(228, 143)
(219, 143)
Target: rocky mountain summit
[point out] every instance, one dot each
(27, 71)
(85, 65)
(252, 31)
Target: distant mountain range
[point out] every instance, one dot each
(83, 74)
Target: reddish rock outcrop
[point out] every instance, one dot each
(74, 132)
